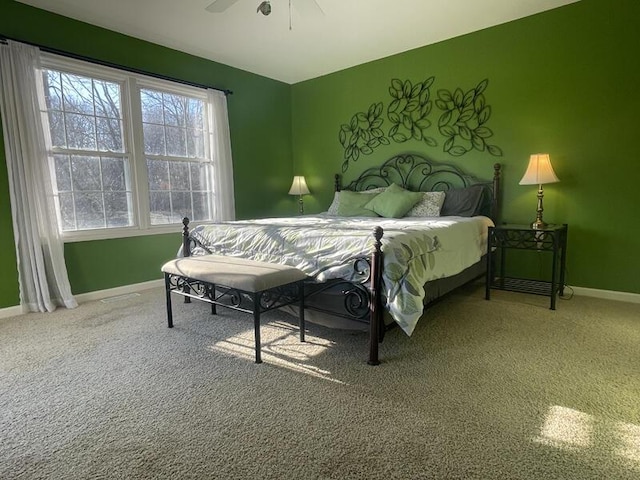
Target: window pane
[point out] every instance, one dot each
(195, 114)
(107, 99)
(89, 210)
(86, 173)
(67, 211)
(77, 93)
(113, 175)
(56, 128)
(81, 132)
(176, 142)
(109, 135)
(63, 173)
(181, 206)
(151, 103)
(183, 199)
(117, 209)
(201, 176)
(195, 143)
(52, 90)
(154, 140)
(175, 107)
(201, 207)
(160, 206)
(158, 171)
(179, 178)
(197, 179)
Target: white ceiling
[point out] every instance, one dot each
(347, 33)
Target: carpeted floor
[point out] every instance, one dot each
(505, 389)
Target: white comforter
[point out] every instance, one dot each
(416, 250)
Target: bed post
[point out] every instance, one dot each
(186, 246)
(186, 252)
(375, 309)
(495, 211)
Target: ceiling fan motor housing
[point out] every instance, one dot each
(265, 7)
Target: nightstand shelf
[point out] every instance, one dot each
(551, 240)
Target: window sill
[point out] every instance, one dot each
(91, 235)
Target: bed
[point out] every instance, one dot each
(379, 270)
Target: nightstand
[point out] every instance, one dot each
(552, 240)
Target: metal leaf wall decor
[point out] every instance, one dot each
(408, 111)
(462, 122)
(362, 134)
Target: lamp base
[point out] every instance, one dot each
(539, 224)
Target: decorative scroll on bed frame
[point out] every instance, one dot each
(362, 300)
(419, 174)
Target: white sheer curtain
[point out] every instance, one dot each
(44, 283)
(220, 141)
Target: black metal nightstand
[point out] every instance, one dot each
(552, 238)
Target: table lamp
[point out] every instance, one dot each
(538, 173)
(299, 187)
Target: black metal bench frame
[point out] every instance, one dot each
(236, 299)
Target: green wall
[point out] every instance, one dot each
(260, 123)
(565, 82)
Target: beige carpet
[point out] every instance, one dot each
(505, 389)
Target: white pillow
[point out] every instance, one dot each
(335, 204)
(429, 206)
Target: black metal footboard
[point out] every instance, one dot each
(359, 301)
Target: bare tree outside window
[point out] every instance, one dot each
(174, 146)
(98, 178)
(91, 163)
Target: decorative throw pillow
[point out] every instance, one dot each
(394, 202)
(463, 202)
(428, 206)
(333, 208)
(353, 204)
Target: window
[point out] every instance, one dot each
(174, 147)
(128, 153)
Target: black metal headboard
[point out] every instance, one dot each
(420, 174)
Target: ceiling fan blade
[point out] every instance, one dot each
(220, 6)
(307, 7)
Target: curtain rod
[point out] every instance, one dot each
(3, 39)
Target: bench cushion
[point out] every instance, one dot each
(240, 273)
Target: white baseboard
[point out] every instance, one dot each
(114, 292)
(139, 287)
(93, 296)
(606, 294)
(11, 311)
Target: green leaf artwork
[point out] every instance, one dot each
(362, 134)
(462, 121)
(408, 111)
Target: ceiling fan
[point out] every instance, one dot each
(305, 7)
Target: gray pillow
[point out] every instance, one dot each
(463, 202)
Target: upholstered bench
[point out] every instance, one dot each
(237, 283)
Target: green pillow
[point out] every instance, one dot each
(352, 204)
(394, 202)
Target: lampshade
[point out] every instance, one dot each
(539, 171)
(299, 186)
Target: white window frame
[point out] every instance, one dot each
(131, 84)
